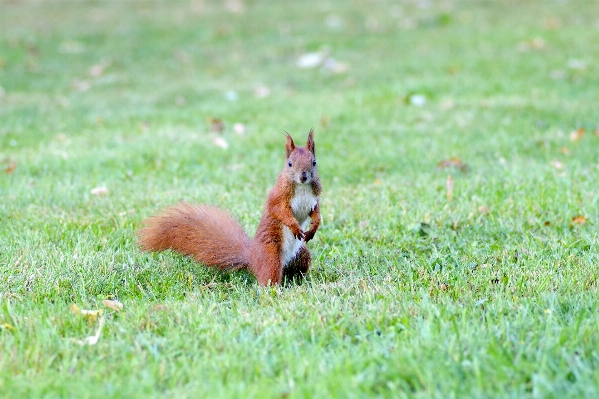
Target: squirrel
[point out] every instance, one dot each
(278, 250)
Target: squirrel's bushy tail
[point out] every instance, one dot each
(207, 233)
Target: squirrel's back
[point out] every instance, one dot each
(205, 232)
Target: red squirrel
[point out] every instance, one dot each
(278, 250)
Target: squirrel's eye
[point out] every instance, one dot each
(289, 163)
(314, 162)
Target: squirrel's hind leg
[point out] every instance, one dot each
(298, 267)
(266, 265)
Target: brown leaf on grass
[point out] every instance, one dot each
(456, 225)
(564, 150)
(453, 162)
(88, 314)
(578, 220)
(449, 186)
(216, 125)
(211, 284)
(159, 307)
(11, 167)
(324, 120)
(113, 304)
(577, 134)
(482, 209)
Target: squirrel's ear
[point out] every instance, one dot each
(289, 145)
(310, 143)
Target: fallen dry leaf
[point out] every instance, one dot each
(211, 284)
(159, 307)
(100, 191)
(88, 314)
(7, 326)
(113, 304)
(564, 150)
(577, 134)
(453, 162)
(578, 219)
(482, 209)
(221, 142)
(216, 125)
(11, 167)
(324, 120)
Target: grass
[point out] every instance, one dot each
(488, 292)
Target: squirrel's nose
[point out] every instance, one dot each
(304, 177)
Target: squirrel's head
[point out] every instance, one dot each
(301, 161)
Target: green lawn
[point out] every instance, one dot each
(484, 287)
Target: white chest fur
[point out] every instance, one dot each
(302, 203)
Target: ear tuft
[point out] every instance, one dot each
(289, 145)
(310, 143)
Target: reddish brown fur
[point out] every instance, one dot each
(205, 232)
(212, 237)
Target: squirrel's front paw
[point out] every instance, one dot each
(309, 235)
(298, 233)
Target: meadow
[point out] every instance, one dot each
(457, 144)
